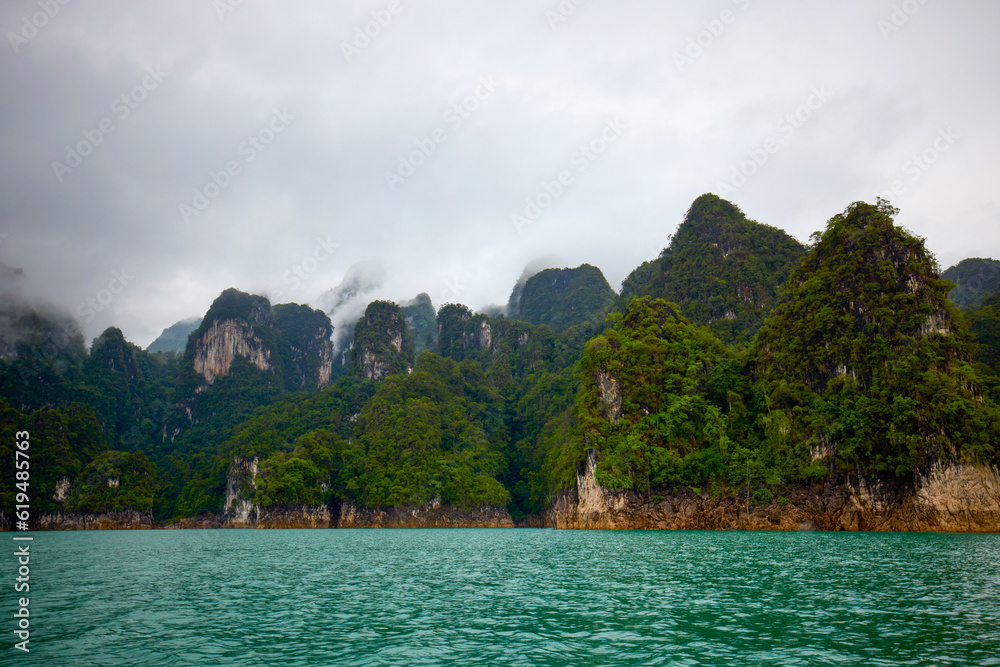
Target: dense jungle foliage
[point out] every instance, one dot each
(738, 357)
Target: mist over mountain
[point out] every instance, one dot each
(976, 279)
(738, 357)
(174, 338)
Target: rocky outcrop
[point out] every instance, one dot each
(240, 486)
(276, 516)
(959, 498)
(239, 510)
(381, 345)
(294, 516)
(126, 520)
(325, 363)
(224, 341)
(433, 515)
(611, 396)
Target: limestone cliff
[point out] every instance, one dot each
(460, 332)
(958, 498)
(125, 520)
(434, 515)
(225, 340)
(239, 510)
(258, 348)
(383, 345)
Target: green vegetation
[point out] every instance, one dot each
(721, 268)
(975, 279)
(383, 345)
(435, 433)
(561, 298)
(738, 359)
(866, 357)
(422, 321)
(986, 332)
(643, 404)
(174, 338)
(113, 482)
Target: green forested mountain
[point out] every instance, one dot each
(561, 298)
(711, 372)
(866, 362)
(644, 403)
(383, 343)
(986, 333)
(975, 279)
(174, 338)
(721, 268)
(422, 321)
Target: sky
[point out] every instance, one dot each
(155, 154)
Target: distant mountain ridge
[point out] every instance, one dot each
(174, 338)
(976, 279)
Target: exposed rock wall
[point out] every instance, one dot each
(381, 347)
(224, 341)
(431, 516)
(959, 498)
(325, 346)
(239, 511)
(294, 516)
(240, 485)
(127, 520)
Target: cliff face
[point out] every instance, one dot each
(382, 344)
(225, 340)
(240, 485)
(959, 498)
(433, 515)
(239, 511)
(304, 346)
(291, 341)
(461, 333)
(126, 520)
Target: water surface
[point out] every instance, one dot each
(508, 597)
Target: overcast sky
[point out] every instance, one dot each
(115, 115)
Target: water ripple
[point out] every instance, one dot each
(511, 597)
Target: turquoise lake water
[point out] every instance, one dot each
(507, 597)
